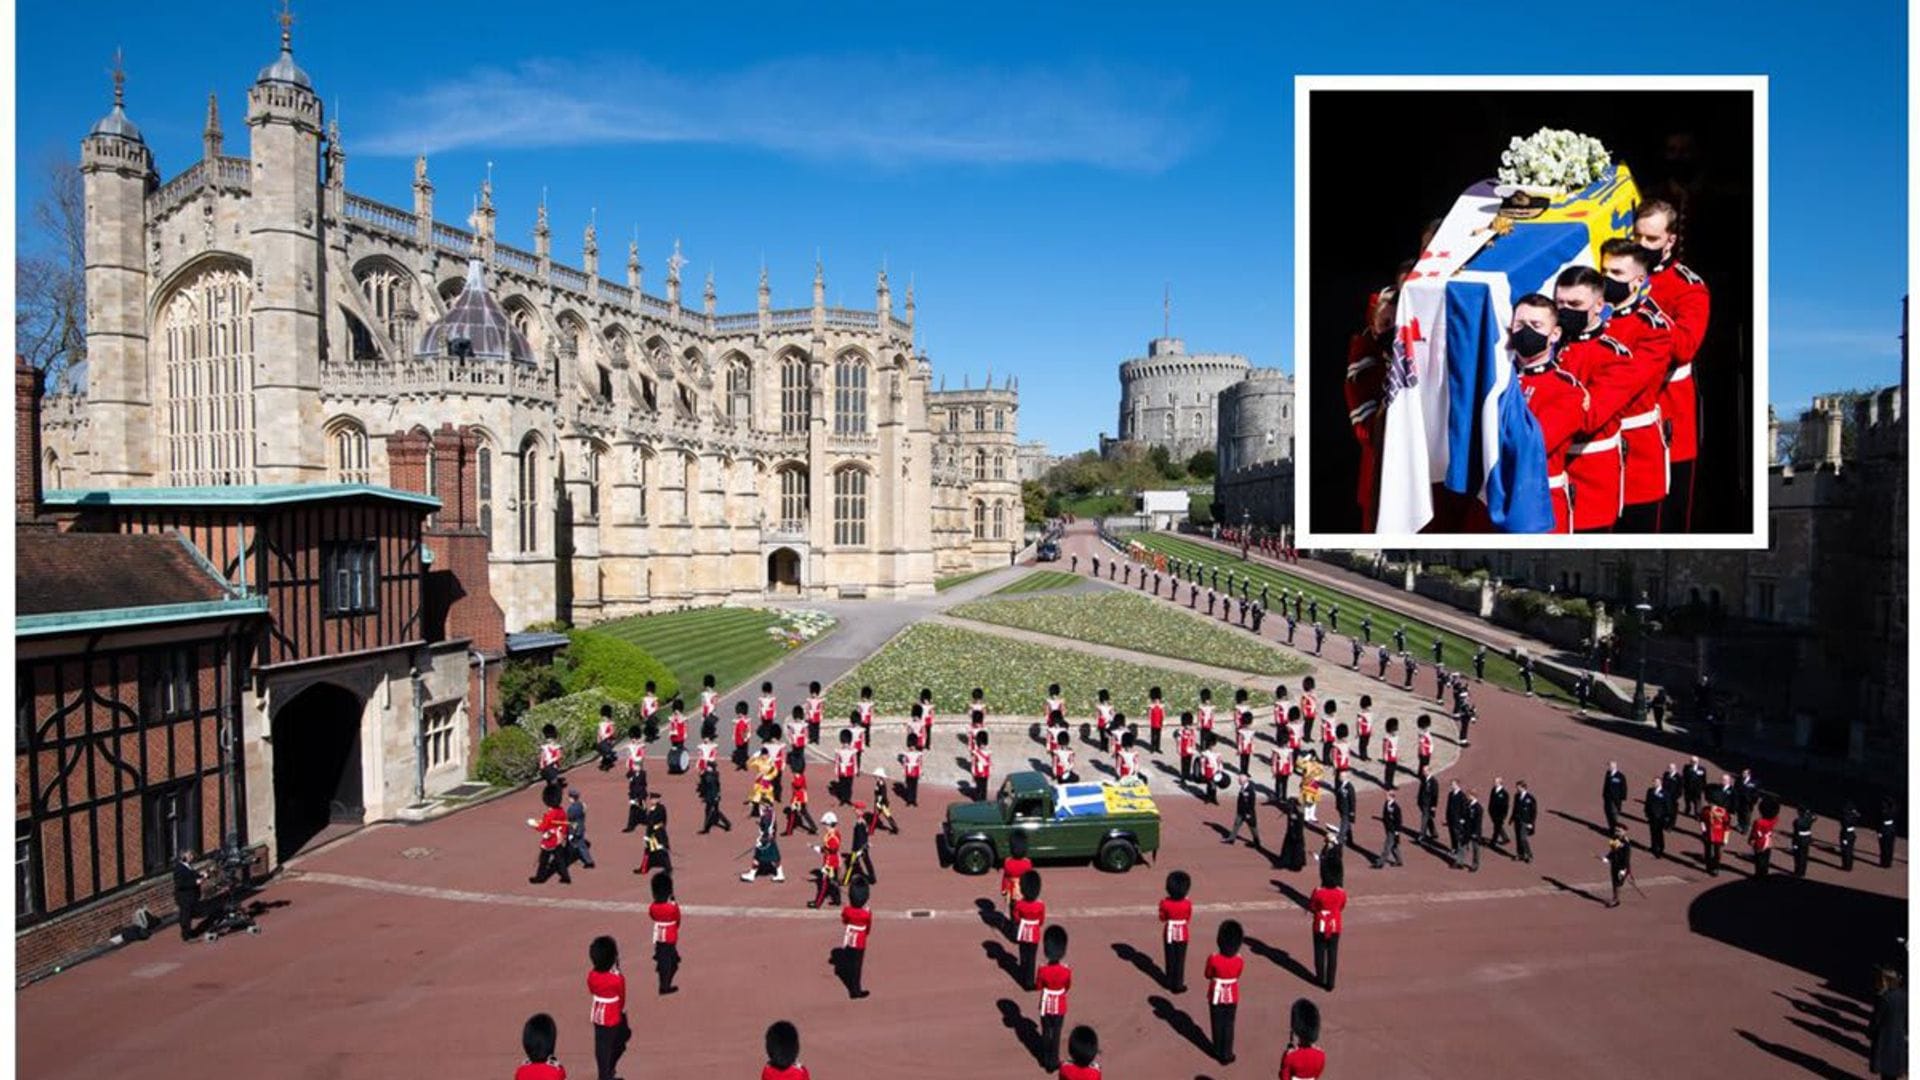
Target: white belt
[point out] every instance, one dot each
(1598, 445)
(598, 1000)
(1640, 420)
(1361, 365)
(1026, 927)
(1220, 988)
(1556, 481)
(1684, 371)
(660, 932)
(1176, 930)
(1050, 1001)
(851, 938)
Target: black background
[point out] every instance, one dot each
(1384, 163)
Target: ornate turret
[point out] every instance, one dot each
(422, 201)
(283, 69)
(819, 284)
(211, 141)
(673, 274)
(115, 124)
(633, 264)
(542, 235)
(475, 326)
(116, 172)
(336, 156)
(484, 217)
(709, 296)
(883, 297)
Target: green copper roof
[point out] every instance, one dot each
(72, 622)
(242, 496)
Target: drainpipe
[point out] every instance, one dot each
(483, 690)
(419, 737)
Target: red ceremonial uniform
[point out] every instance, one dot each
(648, 706)
(636, 757)
(1205, 716)
(1560, 404)
(1243, 740)
(553, 828)
(707, 698)
(768, 706)
(1367, 362)
(799, 789)
(607, 732)
(1717, 824)
(1176, 919)
(1070, 1071)
(1184, 739)
(741, 730)
(1426, 746)
(844, 760)
(1054, 980)
(1223, 979)
(1156, 716)
(1596, 465)
(1209, 764)
(1127, 764)
(910, 762)
(609, 990)
(797, 734)
(550, 755)
(708, 752)
(859, 922)
(830, 851)
(1062, 756)
(1294, 735)
(1010, 872)
(1282, 767)
(541, 1070)
(798, 1072)
(1307, 706)
(814, 707)
(1389, 748)
(1029, 916)
(1761, 836)
(666, 922)
(1303, 1063)
(982, 761)
(1326, 906)
(1683, 296)
(1643, 328)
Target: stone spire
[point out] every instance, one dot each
(673, 274)
(633, 264)
(909, 309)
(542, 232)
(116, 123)
(483, 217)
(422, 202)
(336, 155)
(819, 284)
(590, 247)
(883, 296)
(210, 138)
(708, 297)
(766, 290)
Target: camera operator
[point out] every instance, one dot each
(186, 892)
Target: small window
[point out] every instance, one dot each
(176, 684)
(999, 419)
(26, 873)
(439, 735)
(347, 578)
(172, 819)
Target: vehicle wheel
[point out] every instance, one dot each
(1117, 856)
(973, 859)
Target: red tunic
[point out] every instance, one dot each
(1184, 739)
(1070, 1071)
(1243, 740)
(1761, 836)
(814, 705)
(1029, 916)
(1559, 403)
(541, 1070)
(740, 730)
(1223, 979)
(1176, 917)
(1053, 980)
(1595, 463)
(768, 1072)
(1156, 716)
(1368, 358)
(1205, 715)
(1389, 748)
(769, 706)
(1717, 824)
(1307, 706)
(708, 753)
(1684, 297)
(830, 851)
(1645, 331)
(609, 990)
(1010, 872)
(677, 729)
(553, 828)
(845, 761)
(982, 762)
(636, 758)
(799, 789)
(706, 703)
(1326, 906)
(858, 921)
(910, 762)
(666, 922)
(1303, 1063)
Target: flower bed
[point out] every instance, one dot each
(1138, 623)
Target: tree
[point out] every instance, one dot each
(49, 319)
(1162, 461)
(1203, 464)
(1034, 498)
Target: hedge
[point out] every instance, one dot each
(508, 757)
(621, 668)
(577, 717)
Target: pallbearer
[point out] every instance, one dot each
(1760, 838)
(1423, 745)
(665, 913)
(1053, 982)
(1802, 840)
(1176, 921)
(1223, 987)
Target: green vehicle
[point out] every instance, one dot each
(1115, 825)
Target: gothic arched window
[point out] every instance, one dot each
(793, 396)
(208, 366)
(529, 513)
(850, 506)
(850, 395)
(793, 499)
(347, 462)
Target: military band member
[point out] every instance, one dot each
(1499, 804)
(980, 762)
(1849, 824)
(742, 732)
(552, 827)
(665, 913)
(604, 738)
(1526, 810)
(1083, 1055)
(1176, 922)
(766, 849)
(859, 744)
(538, 1039)
(1222, 972)
(1390, 752)
(707, 753)
(550, 755)
(709, 697)
(1802, 840)
(845, 764)
(1029, 918)
(799, 804)
(812, 712)
(1619, 860)
(1326, 907)
(860, 852)
(1053, 981)
(1693, 785)
(1713, 833)
(1760, 837)
(1427, 800)
(1156, 718)
(1613, 795)
(858, 920)
(677, 730)
(1390, 830)
(832, 867)
(1480, 664)
(709, 791)
(636, 778)
(769, 712)
(1185, 741)
(608, 989)
(880, 812)
(1281, 761)
(1658, 811)
(911, 763)
(1888, 829)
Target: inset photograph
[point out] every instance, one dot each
(1532, 311)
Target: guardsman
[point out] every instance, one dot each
(677, 733)
(911, 763)
(1156, 718)
(799, 809)
(742, 731)
(1713, 832)
(1888, 829)
(550, 755)
(1682, 295)
(798, 734)
(769, 711)
(608, 989)
(1357, 650)
(1302, 1059)
(865, 708)
(1440, 678)
(1186, 742)
(926, 702)
(1083, 1055)
(1423, 745)
(1499, 805)
(1126, 763)
(706, 756)
(1208, 767)
(980, 762)
(656, 850)
(815, 709)
(665, 913)
(831, 862)
(857, 918)
(1526, 810)
(537, 1038)
(1029, 918)
(1012, 869)
(1760, 837)
(1613, 795)
(1222, 972)
(1410, 667)
(783, 1054)
(1802, 840)
(1204, 714)
(604, 738)
(1659, 812)
(636, 778)
(1693, 785)
(1390, 832)
(1849, 824)
(1282, 761)
(1295, 735)
(552, 827)
(1555, 396)
(1604, 368)
(1243, 739)
(1619, 860)
(1390, 752)
(845, 765)
(1480, 664)
(1342, 758)
(1053, 981)
(1176, 925)
(709, 698)
(1363, 725)
(1325, 907)
(650, 710)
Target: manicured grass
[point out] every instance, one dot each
(731, 644)
(951, 662)
(1039, 581)
(1457, 650)
(1139, 623)
(1093, 506)
(948, 582)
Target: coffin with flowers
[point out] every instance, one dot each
(1454, 415)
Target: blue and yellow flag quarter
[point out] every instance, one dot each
(1605, 207)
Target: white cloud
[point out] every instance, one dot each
(896, 111)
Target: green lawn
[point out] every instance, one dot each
(731, 644)
(1457, 650)
(951, 662)
(1039, 581)
(1095, 506)
(1130, 621)
(948, 582)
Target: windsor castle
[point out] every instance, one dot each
(250, 321)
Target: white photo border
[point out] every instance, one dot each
(1754, 539)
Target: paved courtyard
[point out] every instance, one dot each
(418, 950)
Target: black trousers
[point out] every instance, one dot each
(1392, 768)
(1050, 1039)
(1886, 850)
(853, 962)
(1676, 514)
(1499, 831)
(635, 811)
(1658, 841)
(1174, 956)
(913, 791)
(552, 861)
(1153, 740)
(1364, 739)
(979, 789)
(188, 904)
(740, 757)
(1612, 809)
(666, 961)
(1523, 842)
(829, 888)
(1846, 850)
(609, 1043)
(1639, 518)
(1326, 958)
(1800, 848)
(1186, 767)
(1390, 848)
(1029, 956)
(1762, 861)
(1713, 857)
(1222, 1017)
(715, 817)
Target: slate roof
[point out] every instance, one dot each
(57, 572)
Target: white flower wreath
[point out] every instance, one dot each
(1553, 158)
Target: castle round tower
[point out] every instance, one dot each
(1170, 397)
(1256, 420)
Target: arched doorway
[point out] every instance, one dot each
(783, 571)
(316, 766)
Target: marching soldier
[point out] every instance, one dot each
(911, 763)
(1480, 664)
(1083, 1055)
(1126, 760)
(1849, 822)
(1760, 838)
(608, 988)
(650, 710)
(799, 813)
(1683, 296)
(1185, 740)
(1282, 762)
(706, 755)
(1526, 810)
(766, 849)
(676, 737)
(1888, 829)
(552, 827)
(845, 764)
(769, 713)
(550, 755)
(1342, 758)
(1012, 869)
(537, 1038)
(1204, 714)
(1363, 724)
(1156, 718)
(1713, 831)
(1613, 794)
(1390, 751)
(864, 709)
(1498, 805)
(1423, 745)
(1659, 813)
(1619, 860)
(655, 852)
(604, 738)
(1053, 981)
(742, 731)
(1222, 972)
(1390, 828)
(1693, 785)
(858, 920)
(1176, 921)
(860, 862)
(812, 711)
(665, 913)
(1029, 919)
(636, 778)
(1802, 840)
(1326, 906)
(830, 866)
(980, 761)
(708, 698)
(1243, 738)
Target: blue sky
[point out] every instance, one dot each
(1040, 172)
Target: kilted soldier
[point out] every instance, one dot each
(1760, 837)
(550, 755)
(1053, 981)
(1713, 833)
(1613, 795)
(552, 827)
(980, 762)
(813, 711)
(1363, 724)
(1888, 829)
(1658, 811)
(1619, 860)
(1427, 800)
(1400, 638)
(1319, 637)
(1176, 923)
(766, 849)
(608, 989)
(1186, 743)
(665, 913)
(857, 918)
(911, 763)
(1802, 840)
(1060, 760)
(1083, 1055)
(799, 804)
(1156, 718)
(537, 1039)
(709, 787)
(656, 851)
(1526, 810)
(1423, 745)
(1499, 805)
(783, 1054)
(1390, 752)
(1384, 657)
(1410, 667)
(1693, 785)
(1204, 714)
(1326, 906)
(831, 867)
(1029, 918)
(636, 778)
(1333, 617)
(1849, 824)
(1245, 807)
(1222, 972)
(604, 738)
(742, 731)
(1480, 664)
(1390, 832)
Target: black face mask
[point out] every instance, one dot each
(1527, 342)
(1572, 323)
(1616, 292)
(1654, 256)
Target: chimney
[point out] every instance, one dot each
(407, 461)
(455, 472)
(26, 442)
